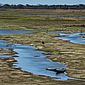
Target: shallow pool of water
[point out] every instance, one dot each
(14, 31)
(74, 37)
(34, 61)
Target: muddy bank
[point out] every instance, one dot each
(57, 50)
(32, 60)
(5, 51)
(10, 76)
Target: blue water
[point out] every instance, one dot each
(15, 31)
(74, 37)
(34, 61)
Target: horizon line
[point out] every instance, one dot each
(42, 4)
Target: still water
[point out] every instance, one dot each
(6, 31)
(32, 60)
(74, 37)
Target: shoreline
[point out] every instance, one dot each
(9, 75)
(58, 50)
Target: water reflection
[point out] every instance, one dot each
(15, 31)
(27, 61)
(74, 37)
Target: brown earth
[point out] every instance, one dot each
(65, 52)
(10, 76)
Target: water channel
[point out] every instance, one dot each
(74, 37)
(32, 60)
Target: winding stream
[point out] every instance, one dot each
(74, 37)
(32, 60)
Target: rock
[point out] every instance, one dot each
(58, 70)
(32, 44)
(15, 56)
(39, 47)
(82, 35)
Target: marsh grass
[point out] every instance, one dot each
(41, 19)
(61, 51)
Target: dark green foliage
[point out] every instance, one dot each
(27, 6)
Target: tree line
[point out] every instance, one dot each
(27, 6)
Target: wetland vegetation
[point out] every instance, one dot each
(42, 22)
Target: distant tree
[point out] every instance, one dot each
(27, 6)
(0, 5)
(13, 6)
(6, 6)
(20, 6)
